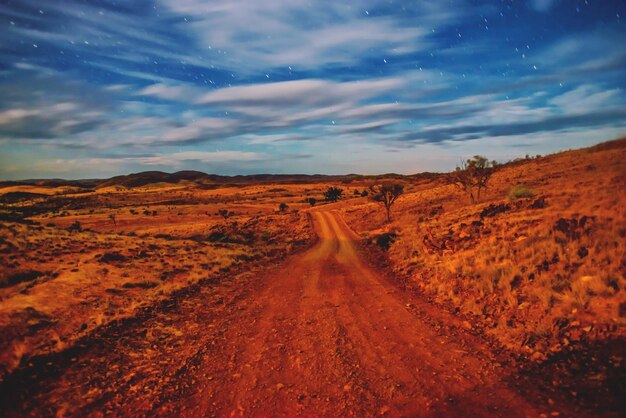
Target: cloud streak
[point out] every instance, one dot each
(308, 86)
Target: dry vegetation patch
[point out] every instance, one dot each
(73, 263)
(539, 267)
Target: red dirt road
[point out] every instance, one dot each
(331, 338)
(322, 334)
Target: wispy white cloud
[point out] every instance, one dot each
(179, 158)
(300, 92)
(69, 167)
(260, 36)
(13, 115)
(583, 53)
(587, 96)
(170, 92)
(169, 85)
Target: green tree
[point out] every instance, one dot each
(312, 201)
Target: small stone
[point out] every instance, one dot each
(279, 386)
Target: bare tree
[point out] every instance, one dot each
(387, 193)
(112, 218)
(472, 176)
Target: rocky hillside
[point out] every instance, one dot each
(538, 265)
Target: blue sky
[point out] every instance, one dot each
(99, 88)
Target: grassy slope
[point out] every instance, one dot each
(536, 284)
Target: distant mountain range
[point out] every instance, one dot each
(212, 180)
(203, 179)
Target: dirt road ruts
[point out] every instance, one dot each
(321, 334)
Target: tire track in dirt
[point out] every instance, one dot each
(329, 336)
(322, 333)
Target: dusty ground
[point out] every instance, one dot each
(193, 299)
(324, 333)
(71, 268)
(543, 276)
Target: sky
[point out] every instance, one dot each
(96, 88)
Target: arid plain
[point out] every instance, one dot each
(197, 295)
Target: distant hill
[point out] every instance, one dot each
(15, 197)
(149, 177)
(203, 179)
(145, 178)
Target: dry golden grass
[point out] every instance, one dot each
(529, 276)
(537, 277)
(59, 282)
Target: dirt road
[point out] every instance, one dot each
(332, 338)
(322, 334)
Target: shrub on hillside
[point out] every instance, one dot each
(520, 192)
(385, 240)
(112, 257)
(332, 194)
(75, 227)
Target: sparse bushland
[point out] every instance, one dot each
(520, 192)
(223, 213)
(387, 193)
(385, 240)
(333, 194)
(75, 227)
(472, 176)
(81, 271)
(541, 274)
